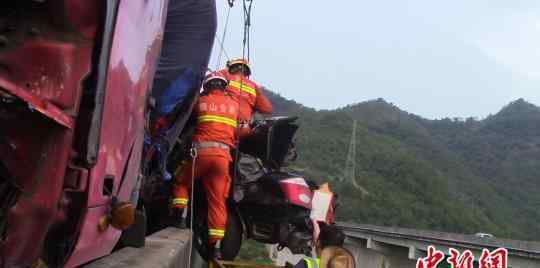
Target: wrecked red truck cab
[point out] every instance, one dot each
(74, 82)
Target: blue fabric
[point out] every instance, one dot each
(177, 92)
(162, 162)
(159, 162)
(147, 140)
(187, 43)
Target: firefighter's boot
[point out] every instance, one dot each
(216, 250)
(179, 219)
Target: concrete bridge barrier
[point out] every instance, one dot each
(169, 248)
(372, 246)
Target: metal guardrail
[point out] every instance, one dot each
(525, 249)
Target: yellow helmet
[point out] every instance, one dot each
(242, 62)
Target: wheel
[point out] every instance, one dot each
(200, 222)
(232, 242)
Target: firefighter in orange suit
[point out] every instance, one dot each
(215, 134)
(251, 97)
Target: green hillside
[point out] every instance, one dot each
(453, 175)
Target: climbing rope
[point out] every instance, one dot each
(246, 42)
(245, 46)
(222, 41)
(222, 48)
(193, 153)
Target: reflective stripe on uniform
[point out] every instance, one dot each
(217, 119)
(243, 87)
(312, 263)
(216, 232)
(210, 144)
(180, 201)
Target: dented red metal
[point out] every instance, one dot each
(135, 49)
(43, 106)
(297, 192)
(61, 200)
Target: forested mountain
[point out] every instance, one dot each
(456, 175)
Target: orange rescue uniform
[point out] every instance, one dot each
(251, 98)
(215, 134)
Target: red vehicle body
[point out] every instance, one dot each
(74, 81)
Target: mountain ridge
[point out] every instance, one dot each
(451, 174)
(520, 103)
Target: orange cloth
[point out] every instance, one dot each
(213, 169)
(222, 106)
(253, 98)
(216, 114)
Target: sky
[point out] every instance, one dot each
(436, 59)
